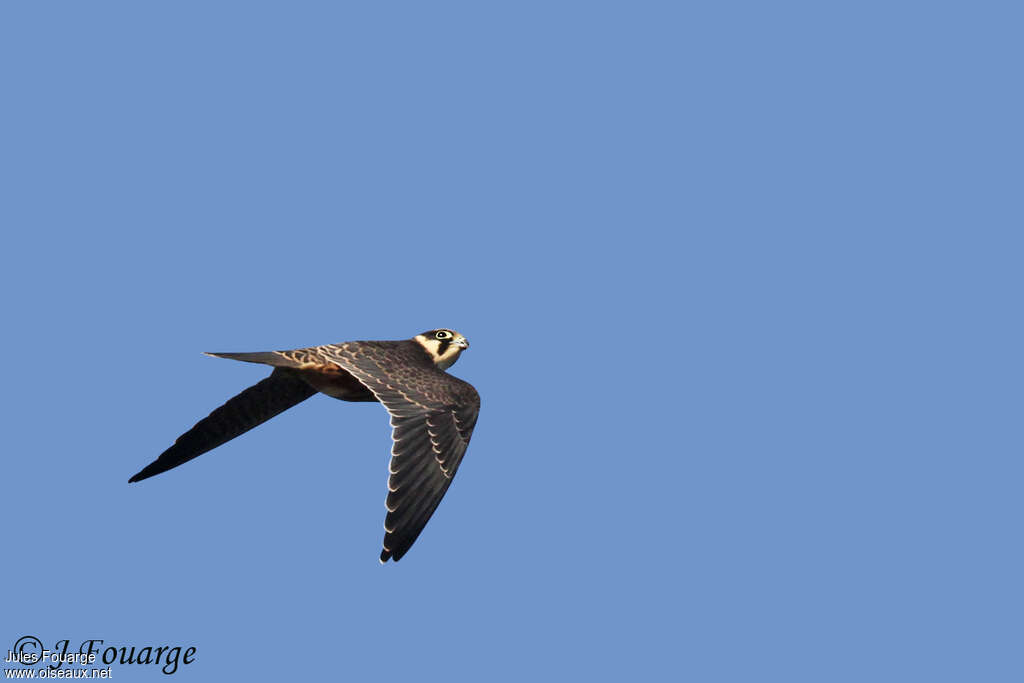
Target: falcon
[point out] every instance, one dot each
(432, 415)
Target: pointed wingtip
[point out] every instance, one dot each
(145, 473)
(140, 475)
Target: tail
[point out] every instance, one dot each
(254, 406)
(275, 358)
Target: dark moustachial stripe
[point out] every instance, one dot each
(445, 343)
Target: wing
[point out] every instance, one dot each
(254, 406)
(432, 416)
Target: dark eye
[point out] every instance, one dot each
(443, 335)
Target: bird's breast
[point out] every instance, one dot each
(337, 384)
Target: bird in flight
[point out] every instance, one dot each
(432, 415)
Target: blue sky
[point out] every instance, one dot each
(742, 283)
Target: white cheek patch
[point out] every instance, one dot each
(448, 359)
(433, 347)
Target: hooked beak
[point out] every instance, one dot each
(462, 343)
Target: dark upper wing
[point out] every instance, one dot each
(252, 407)
(432, 416)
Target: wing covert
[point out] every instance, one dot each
(432, 418)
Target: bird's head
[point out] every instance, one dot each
(443, 345)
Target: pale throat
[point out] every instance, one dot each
(433, 346)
